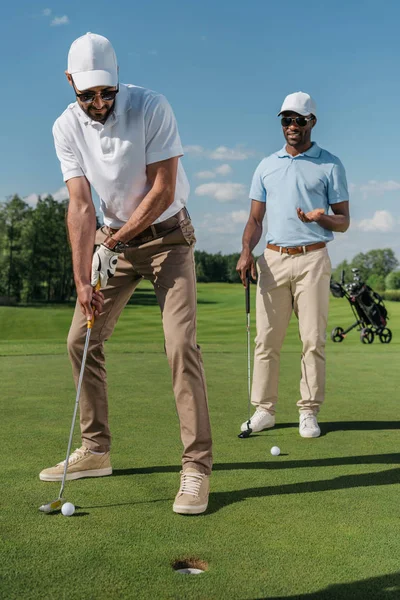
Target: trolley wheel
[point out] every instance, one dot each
(337, 334)
(385, 335)
(367, 335)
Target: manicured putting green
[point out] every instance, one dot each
(319, 521)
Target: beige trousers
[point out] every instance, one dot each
(168, 262)
(298, 282)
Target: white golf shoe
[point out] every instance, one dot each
(260, 420)
(308, 427)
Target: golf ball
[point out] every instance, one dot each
(68, 509)
(275, 451)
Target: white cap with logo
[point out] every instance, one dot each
(92, 62)
(300, 103)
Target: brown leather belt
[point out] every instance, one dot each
(297, 249)
(156, 230)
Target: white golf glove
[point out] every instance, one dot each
(104, 263)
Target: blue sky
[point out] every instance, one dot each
(225, 68)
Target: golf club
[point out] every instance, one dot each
(247, 432)
(56, 504)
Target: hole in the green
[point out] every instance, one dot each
(190, 566)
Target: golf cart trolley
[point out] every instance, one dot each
(368, 308)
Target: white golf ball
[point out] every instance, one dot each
(275, 451)
(68, 509)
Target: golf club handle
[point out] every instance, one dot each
(248, 292)
(90, 322)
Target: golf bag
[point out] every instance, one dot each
(368, 308)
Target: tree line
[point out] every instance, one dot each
(36, 263)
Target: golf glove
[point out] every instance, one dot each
(104, 263)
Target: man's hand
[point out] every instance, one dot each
(246, 263)
(310, 217)
(104, 263)
(90, 301)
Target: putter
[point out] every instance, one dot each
(56, 504)
(248, 431)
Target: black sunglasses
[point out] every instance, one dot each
(300, 121)
(88, 97)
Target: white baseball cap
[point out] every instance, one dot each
(300, 103)
(92, 62)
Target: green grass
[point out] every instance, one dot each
(320, 521)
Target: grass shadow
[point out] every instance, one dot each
(332, 426)
(377, 588)
(368, 459)
(219, 500)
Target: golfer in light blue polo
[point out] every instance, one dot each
(303, 190)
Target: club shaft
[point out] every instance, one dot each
(78, 393)
(247, 295)
(248, 364)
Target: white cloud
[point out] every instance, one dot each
(239, 216)
(31, 199)
(64, 20)
(220, 153)
(229, 224)
(223, 170)
(223, 192)
(224, 153)
(195, 150)
(382, 221)
(379, 187)
(206, 174)
(61, 194)
(46, 12)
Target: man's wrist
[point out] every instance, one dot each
(114, 245)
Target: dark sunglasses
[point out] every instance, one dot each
(88, 97)
(300, 121)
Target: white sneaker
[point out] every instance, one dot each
(259, 421)
(309, 426)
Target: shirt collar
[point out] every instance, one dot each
(313, 152)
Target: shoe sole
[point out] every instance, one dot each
(310, 436)
(244, 428)
(189, 510)
(78, 475)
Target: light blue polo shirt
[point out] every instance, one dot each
(314, 179)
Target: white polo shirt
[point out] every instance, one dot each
(113, 157)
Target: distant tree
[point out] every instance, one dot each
(392, 281)
(375, 262)
(231, 262)
(15, 216)
(337, 272)
(376, 282)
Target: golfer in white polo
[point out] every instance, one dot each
(123, 140)
(298, 187)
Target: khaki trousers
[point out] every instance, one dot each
(168, 262)
(298, 282)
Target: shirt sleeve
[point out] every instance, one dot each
(162, 136)
(69, 163)
(257, 189)
(337, 184)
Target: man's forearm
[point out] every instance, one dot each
(152, 206)
(338, 223)
(81, 221)
(251, 235)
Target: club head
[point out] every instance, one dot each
(245, 434)
(52, 506)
